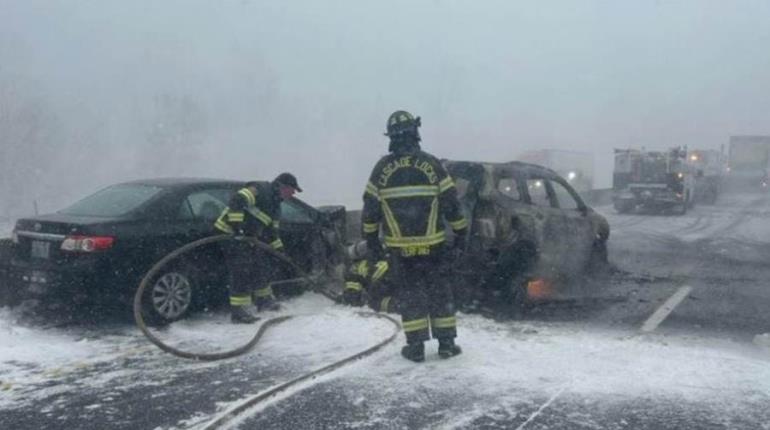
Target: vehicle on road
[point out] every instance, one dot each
(652, 180)
(709, 167)
(527, 223)
(748, 163)
(98, 249)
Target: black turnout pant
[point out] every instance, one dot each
(246, 265)
(425, 298)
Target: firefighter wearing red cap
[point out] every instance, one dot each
(253, 211)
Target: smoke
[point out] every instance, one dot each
(99, 92)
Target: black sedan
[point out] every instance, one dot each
(98, 249)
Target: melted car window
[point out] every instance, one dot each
(509, 188)
(538, 192)
(563, 196)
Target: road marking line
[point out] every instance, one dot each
(665, 309)
(541, 409)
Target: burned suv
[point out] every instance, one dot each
(527, 223)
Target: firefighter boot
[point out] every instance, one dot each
(241, 315)
(267, 304)
(447, 348)
(414, 351)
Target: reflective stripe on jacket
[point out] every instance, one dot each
(253, 215)
(410, 195)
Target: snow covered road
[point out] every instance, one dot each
(579, 362)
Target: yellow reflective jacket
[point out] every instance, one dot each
(255, 215)
(410, 195)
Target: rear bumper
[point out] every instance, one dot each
(83, 281)
(642, 198)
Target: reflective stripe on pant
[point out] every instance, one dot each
(416, 330)
(425, 295)
(246, 267)
(240, 300)
(264, 292)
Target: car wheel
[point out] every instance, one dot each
(170, 296)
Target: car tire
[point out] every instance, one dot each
(171, 295)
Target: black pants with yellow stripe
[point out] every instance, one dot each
(425, 298)
(248, 272)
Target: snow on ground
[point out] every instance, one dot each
(736, 228)
(548, 357)
(741, 217)
(507, 368)
(30, 355)
(314, 322)
(31, 358)
(503, 364)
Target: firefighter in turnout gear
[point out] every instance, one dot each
(253, 211)
(369, 283)
(409, 196)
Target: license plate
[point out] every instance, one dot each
(40, 249)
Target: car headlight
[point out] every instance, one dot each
(571, 175)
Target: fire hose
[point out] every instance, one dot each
(154, 270)
(248, 403)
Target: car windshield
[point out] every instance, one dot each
(117, 200)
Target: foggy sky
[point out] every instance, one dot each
(306, 86)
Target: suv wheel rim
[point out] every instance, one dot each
(171, 295)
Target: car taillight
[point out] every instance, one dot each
(87, 243)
